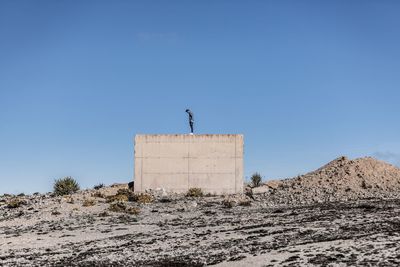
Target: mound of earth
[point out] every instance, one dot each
(340, 180)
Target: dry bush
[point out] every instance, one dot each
(194, 192)
(65, 186)
(88, 202)
(15, 203)
(98, 186)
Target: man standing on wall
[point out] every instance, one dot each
(191, 120)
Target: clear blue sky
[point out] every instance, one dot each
(304, 81)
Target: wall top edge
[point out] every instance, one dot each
(189, 135)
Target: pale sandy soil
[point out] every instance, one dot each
(199, 231)
(346, 213)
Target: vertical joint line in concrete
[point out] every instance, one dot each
(141, 170)
(235, 165)
(188, 165)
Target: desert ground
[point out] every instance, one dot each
(346, 213)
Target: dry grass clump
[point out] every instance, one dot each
(117, 207)
(194, 192)
(118, 198)
(228, 203)
(124, 195)
(98, 194)
(121, 207)
(124, 191)
(15, 203)
(103, 214)
(244, 202)
(143, 198)
(65, 186)
(88, 202)
(69, 200)
(133, 210)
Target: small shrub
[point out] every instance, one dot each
(364, 184)
(256, 179)
(244, 202)
(278, 211)
(131, 186)
(103, 214)
(15, 203)
(55, 212)
(88, 202)
(98, 186)
(165, 200)
(65, 186)
(194, 192)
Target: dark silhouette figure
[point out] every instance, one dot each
(191, 120)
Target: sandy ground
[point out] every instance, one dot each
(181, 231)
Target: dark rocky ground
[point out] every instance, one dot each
(48, 231)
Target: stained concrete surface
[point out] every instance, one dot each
(212, 162)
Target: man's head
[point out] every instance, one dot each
(187, 110)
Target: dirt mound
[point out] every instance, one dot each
(340, 180)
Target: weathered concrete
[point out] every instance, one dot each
(212, 162)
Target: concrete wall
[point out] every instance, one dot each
(213, 162)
